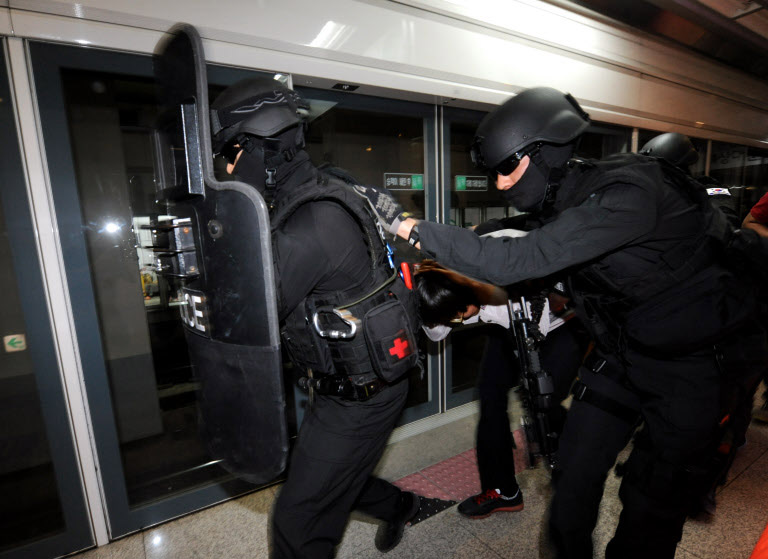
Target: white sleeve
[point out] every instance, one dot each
(437, 332)
(506, 233)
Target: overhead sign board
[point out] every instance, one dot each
(403, 181)
(470, 183)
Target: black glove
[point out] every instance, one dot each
(389, 212)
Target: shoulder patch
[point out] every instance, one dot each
(718, 191)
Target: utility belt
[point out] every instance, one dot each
(356, 388)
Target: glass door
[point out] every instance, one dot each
(392, 144)
(470, 199)
(97, 111)
(42, 509)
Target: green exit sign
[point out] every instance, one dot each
(470, 183)
(15, 342)
(403, 181)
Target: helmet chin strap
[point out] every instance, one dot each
(554, 176)
(272, 156)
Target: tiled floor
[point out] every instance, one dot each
(239, 528)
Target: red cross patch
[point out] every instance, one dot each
(400, 348)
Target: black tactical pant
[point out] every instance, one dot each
(561, 353)
(339, 444)
(680, 401)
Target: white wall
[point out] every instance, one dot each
(458, 52)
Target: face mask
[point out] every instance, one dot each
(250, 170)
(527, 194)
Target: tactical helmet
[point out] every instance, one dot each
(673, 147)
(258, 106)
(537, 115)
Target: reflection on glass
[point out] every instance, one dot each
(377, 148)
(29, 508)
(601, 140)
(743, 169)
(474, 198)
(697, 169)
(152, 387)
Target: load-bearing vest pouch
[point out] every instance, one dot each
(390, 339)
(385, 315)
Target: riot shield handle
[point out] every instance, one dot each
(346, 317)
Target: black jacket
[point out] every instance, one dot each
(619, 225)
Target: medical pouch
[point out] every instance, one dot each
(391, 341)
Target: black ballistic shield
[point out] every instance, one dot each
(218, 247)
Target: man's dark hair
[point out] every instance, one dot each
(443, 293)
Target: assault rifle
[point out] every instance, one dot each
(536, 385)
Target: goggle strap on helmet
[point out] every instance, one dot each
(227, 116)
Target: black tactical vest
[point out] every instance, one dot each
(669, 291)
(384, 344)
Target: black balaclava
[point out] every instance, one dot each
(540, 179)
(294, 167)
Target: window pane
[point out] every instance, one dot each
(29, 508)
(380, 145)
(697, 169)
(153, 391)
(601, 140)
(474, 198)
(727, 163)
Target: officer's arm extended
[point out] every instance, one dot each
(611, 219)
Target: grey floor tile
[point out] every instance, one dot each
(425, 449)
(443, 536)
(757, 445)
(358, 538)
(235, 529)
(741, 517)
(683, 554)
(130, 547)
(439, 537)
(239, 528)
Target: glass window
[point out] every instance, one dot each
(383, 143)
(471, 199)
(110, 120)
(42, 508)
(601, 140)
(743, 169)
(756, 168)
(727, 164)
(473, 195)
(30, 508)
(697, 169)
(97, 110)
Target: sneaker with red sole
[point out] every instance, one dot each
(490, 501)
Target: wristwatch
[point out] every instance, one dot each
(413, 236)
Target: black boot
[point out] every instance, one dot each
(390, 533)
